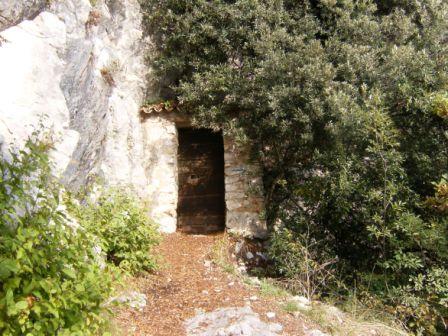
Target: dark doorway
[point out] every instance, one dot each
(201, 206)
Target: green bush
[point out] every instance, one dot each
(439, 201)
(344, 104)
(303, 262)
(423, 303)
(51, 282)
(125, 231)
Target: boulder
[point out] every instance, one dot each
(230, 322)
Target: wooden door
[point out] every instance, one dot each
(201, 206)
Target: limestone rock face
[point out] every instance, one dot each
(80, 71)
(103, 84)
(14, 11)
(31, 69)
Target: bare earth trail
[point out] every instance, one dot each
(187, 283)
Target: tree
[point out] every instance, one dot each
(344, 104)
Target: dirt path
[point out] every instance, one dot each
(189, 282)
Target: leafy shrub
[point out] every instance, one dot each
(50, 280)
(440, 199)
(440, 103)
(344, 104)
(423, 303)
(302, 262)
(125, 231)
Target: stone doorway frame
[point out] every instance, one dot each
(242, 177)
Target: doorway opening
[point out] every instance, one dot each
(201, 205)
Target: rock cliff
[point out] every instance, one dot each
(80, 71)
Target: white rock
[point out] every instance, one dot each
(301, 302)
(238, 246)
(261, 255)
(249, 255)
(30, 59)
(316, 332)
(133, 299)
(15, 11)
(230, 321)
(270, 315)
(50, 68)
(254, 281)
(301, 299)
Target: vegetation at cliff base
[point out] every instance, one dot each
(126, 233)
(51, 281)
(344, 104)
(55, 278)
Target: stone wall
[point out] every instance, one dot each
(244, 192)
(161, 170)
(243, 185)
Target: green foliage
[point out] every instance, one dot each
(440, 200)
(290, 307)
(270, 289)
(303, 261)
(219, 254)
(125, 231)
(440, 104)
(51, 282)
(344, 104)
(424, 301)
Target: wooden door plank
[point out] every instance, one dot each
(201, 206)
